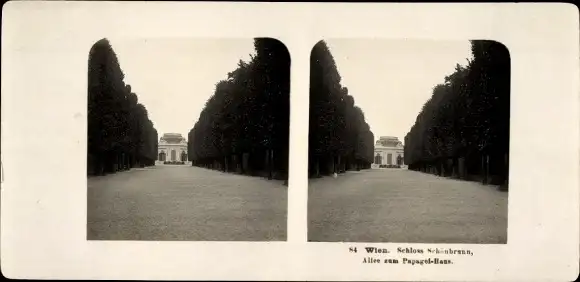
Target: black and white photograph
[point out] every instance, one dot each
(188, 139)
(409, 141)
(184, 140)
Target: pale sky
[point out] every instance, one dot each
(390, 80)
(174, 77)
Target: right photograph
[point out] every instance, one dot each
(409, 141)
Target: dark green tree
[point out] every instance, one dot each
(339, 137)
(120, 135)
(463, 130)
(244, 126)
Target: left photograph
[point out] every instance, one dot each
(188, 139)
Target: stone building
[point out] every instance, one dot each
(172, 147)
(389, 151)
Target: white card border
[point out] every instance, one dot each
(44, 202)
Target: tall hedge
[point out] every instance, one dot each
(120, 134)
(339, 137)
(463, 129)
(244, 126)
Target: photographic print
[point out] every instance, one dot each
(160, 141)
(188, 139)
(409, 141)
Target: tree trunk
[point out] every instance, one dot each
(463, 167)
(317, 168)
(505, 181)
(100, 164)
(117, 162)
(226, 164)
(270, 176)
(268, 164)
(487, 174)
(506, 169)
(106, 162)
(483, 173)
(245, 163)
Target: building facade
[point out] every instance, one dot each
(389, 151)
(172, 147)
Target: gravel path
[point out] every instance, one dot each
(398, 205)
(185, 203)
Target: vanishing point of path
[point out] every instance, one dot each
(172, 202)
(399, 205)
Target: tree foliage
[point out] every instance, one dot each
(339, 137)
(244, 126)
(463, 129)
(120, 134)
